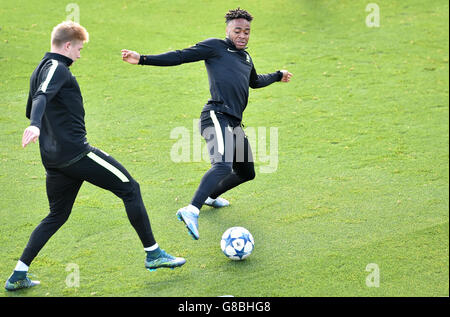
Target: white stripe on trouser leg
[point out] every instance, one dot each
(218, 129)
(108, 166)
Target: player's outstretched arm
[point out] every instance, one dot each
(200, 51)
(263, 80)
(286, 76)
(131, 57)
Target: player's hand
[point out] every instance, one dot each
(131, 57)
(31, 134)
(286, 76)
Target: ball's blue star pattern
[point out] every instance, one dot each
(238, 243)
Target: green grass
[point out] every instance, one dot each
(363, 150)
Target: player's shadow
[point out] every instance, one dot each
(216, 218)
(209, 211)
(26, 292)
(233, 265)
(168, 282)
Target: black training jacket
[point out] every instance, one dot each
(230, 71)
(55, 106)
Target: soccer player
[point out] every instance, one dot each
(231, 72)
(56, 113)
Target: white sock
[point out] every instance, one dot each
(209, 201)
(152, 248)
(21, 266)
(193, 209)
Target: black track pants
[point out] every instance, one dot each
(63, 184)
(230, 154)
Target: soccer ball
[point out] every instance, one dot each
(237, 243)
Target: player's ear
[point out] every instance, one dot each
(228, 28)
(67, 45)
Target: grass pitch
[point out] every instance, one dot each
(362, 173)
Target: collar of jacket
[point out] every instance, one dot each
(231, 44)
(66, 60)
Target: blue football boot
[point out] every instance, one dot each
(219, 202)
(19, 280)
(191, 221)
(164, 260)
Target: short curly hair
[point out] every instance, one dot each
(238, 14)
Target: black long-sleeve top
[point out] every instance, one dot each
(55, 106)
(230, 71)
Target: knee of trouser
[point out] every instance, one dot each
(136, 187)
(246, 171)
(247, 174)
(224, 168)
(250, 174)
(57, 216)
(133, 190)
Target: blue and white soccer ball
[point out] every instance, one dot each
(237, 243)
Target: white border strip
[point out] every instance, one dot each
(49, 75)
(108, 166)
(218, 131)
